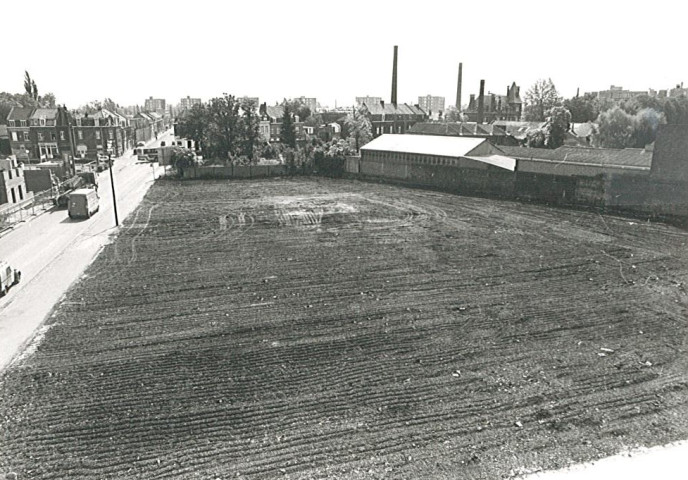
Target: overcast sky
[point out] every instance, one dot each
(335, 50)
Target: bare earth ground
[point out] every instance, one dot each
(315, 328)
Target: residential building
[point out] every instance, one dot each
(18, 128)
(95, 132)
(270, 124)
(50, 133)
(12, 184)
(392, 118)
(155, 105)
(188, 102)
(679, 91)
(434, 106)
(507, 107)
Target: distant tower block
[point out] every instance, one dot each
(458, 88)
(394, 77)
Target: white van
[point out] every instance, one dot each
(8, 277)
(83, 202)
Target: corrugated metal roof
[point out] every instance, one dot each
(425, 144)
(605, 157)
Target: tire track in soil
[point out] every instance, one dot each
(272, 347)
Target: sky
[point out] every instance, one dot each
(130, 50)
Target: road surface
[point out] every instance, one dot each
(52, 251)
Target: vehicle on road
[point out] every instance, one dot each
(83, 203)
(141, 144)
(8, 277)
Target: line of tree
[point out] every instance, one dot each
(629, 123)
(224, 128)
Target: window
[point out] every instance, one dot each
(62, 135)
(26, 136)
(21, 194)
(41, 122)
(40, 136)
(14, 196)
(80, 134)
(53, 136)
(78, 122)
(14, 137)
(110, 134)
(22, 123)
(10, 123)
(97, 134)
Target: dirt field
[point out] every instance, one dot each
(336, 329)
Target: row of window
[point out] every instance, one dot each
(413, 158)
(13, 194)
(53, 136)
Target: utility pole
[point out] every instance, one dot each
(112, 182)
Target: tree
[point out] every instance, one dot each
(251, 134)
(616, 129)
(583, 109)
(288, 131)
(539, 99)
(676, 110)
(360, 129)
(535, 138)
(192, 124)
(181, 159)
(453, 115)
(30, 86)
(645, 124)
(224, 129)
(298, 108)
(557, 124)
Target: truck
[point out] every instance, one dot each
(83, 202)
(9, 277)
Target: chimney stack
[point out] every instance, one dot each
(481, 102)
(458, 89)
(394, 78)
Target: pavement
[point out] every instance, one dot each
(53, 251)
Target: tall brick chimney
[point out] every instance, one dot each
(481, 102)
(394, 78)
(458, 88)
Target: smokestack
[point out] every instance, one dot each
(458, 88)
(394, 78)
(481, 102)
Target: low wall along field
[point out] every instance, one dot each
(316, 328)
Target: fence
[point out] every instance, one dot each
(234, 171)
(36, 204)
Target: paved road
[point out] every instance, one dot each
(52, 251)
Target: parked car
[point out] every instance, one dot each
(8, 277)
(141, 144)
(83, 202)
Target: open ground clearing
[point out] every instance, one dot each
(315, 328)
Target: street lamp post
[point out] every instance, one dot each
(112, 182)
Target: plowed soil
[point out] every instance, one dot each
(315, 328)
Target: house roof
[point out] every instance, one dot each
(425, 144)
(518, 129)
(20, 113)
(391, 109)
(456, 129)
(275, 111)
(48, 113)
(604, 157)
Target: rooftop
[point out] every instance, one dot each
(606, 157)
